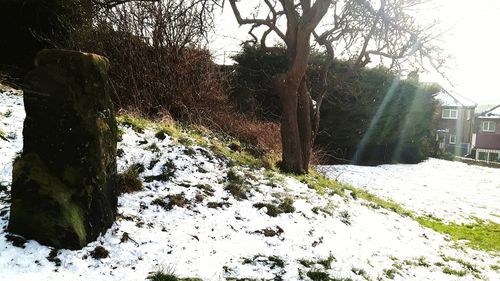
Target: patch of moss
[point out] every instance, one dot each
(483, 235)
(59, 218)
(119, 134)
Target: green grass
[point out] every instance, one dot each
(422, 261)
(327, 263)
(166, 276)
(482, 235)
(323, 185)
(167, 172)
(390, 273)
(381, 203)
(274, 210)
(160, 127)
(464, 264)
(137, 123)
(318, 275)
(189, 135)
(320, 183)
(236, 185)
(242, 157)
(3, 135)
(450, 271)
(361, 272)
(129, 181)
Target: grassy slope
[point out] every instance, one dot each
(483, 235)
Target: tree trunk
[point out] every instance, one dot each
(305, 124)
(296, 108)
(292, 161)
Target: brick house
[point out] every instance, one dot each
(455, 123)
(486, 140)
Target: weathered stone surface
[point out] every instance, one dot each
(63, 186)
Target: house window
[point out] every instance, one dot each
(493, 157)
(488, 126)
(468, 114)
(449, 113)
(453, 139)
(482, 156)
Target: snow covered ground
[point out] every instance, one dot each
(452, 191)
(216, 236)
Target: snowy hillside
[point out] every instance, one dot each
(201, 216)
(452, 191)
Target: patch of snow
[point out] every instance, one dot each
(235, 240)
(452, 191)
(455, 100)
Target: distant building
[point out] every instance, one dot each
(454, 126)
(486, 140)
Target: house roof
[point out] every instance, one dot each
(493, 113)
(455, 100)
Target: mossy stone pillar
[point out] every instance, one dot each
(63, 186)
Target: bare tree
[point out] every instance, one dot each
(163, 23)
(359, 29)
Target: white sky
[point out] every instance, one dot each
(473, 39)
